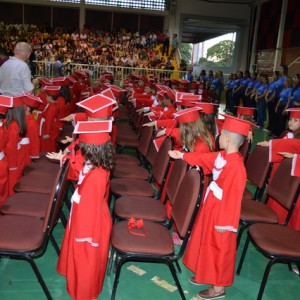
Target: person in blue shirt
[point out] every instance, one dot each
(235, 99)
(261, 101)
(295, 94)
(217, 86)
(227, 89)
(282, 105)
(210, 76)
(249, 90)
(202, 76)
(190, 76)
(240, 91)
(270, 99)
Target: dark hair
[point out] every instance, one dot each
(297, 85)
(266, 77)
(65, 93)
(99, 155)
(17, 114)
(209, 121)
(247, 73)
(285, 69)
(3, 52)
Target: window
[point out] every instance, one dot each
(137, 4)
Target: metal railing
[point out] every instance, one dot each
(45, 69)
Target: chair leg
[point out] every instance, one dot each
(243, 255)
(265, 278)
(39, 277)
(240, 233)
(173, 272)
(117, 276)
(178, 266)
(63, 218)
(110, 261)
(54, 244)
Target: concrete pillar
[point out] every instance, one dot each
(253, 50)
(81, 14)
(278, 52)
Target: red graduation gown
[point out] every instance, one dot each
(3, 164)
(85, 246)
(12, 153)
(48, 129)
(211, 255)
(284, 145)
(296, 166)
(33, 135)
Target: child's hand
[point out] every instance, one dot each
(221, 230)
(149, 124)
(286, 154)
(54, 155)
(160, 133)
(175, 154)
(68, 118)
(264, 144)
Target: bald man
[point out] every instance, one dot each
(15, 76)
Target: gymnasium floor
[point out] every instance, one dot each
(146, 281)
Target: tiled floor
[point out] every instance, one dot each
(17, 280)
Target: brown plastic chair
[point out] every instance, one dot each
(258, 170)
(137, 187)
(157, 245)
(151, 209)
(25, 238)
(138, 171)
(245, 150)
(278, 243)
(284, 189)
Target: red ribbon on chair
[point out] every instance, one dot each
(136, 224)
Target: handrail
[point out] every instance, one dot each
(45, 69)
(295, 61)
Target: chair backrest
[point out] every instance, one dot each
(56, 198)
(146, 138)
(284, 188)
(151, 154)
(177, 171)
(187, 201)
(162, 162)
(258, 166)
(245, 149)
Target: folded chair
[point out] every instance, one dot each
(245, 150)
(147, 208)
(137, 187)
(41, 168)
(153, 242)
(25, 238)
(284, 189)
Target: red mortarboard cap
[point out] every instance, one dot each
(167, 79)
(32, 100)
(184, 81)
(294, 113)
(160, 95)
(52, 90)
(248, 111)
(97, 106)
(80, 74)
(190, 96)
(236, 125)
(187, 103)
(71, 79)
(179, 94)
(60, 81)
(18, 100)
(5, 103)
(93, 132)
(162, 88)
(207, 108)
(193, 86)
(45, 81)
(188, 115)
(108, 93)
(135, 77)
(143, 78)
(174, 82)
(116, 90)
(171, 95)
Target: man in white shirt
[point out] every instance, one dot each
(15, 76)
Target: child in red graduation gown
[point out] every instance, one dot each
(290, 143)
(85, 246)
(211, 251)
(3, 159)
(16, 130)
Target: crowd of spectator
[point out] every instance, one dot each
(88, 46)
